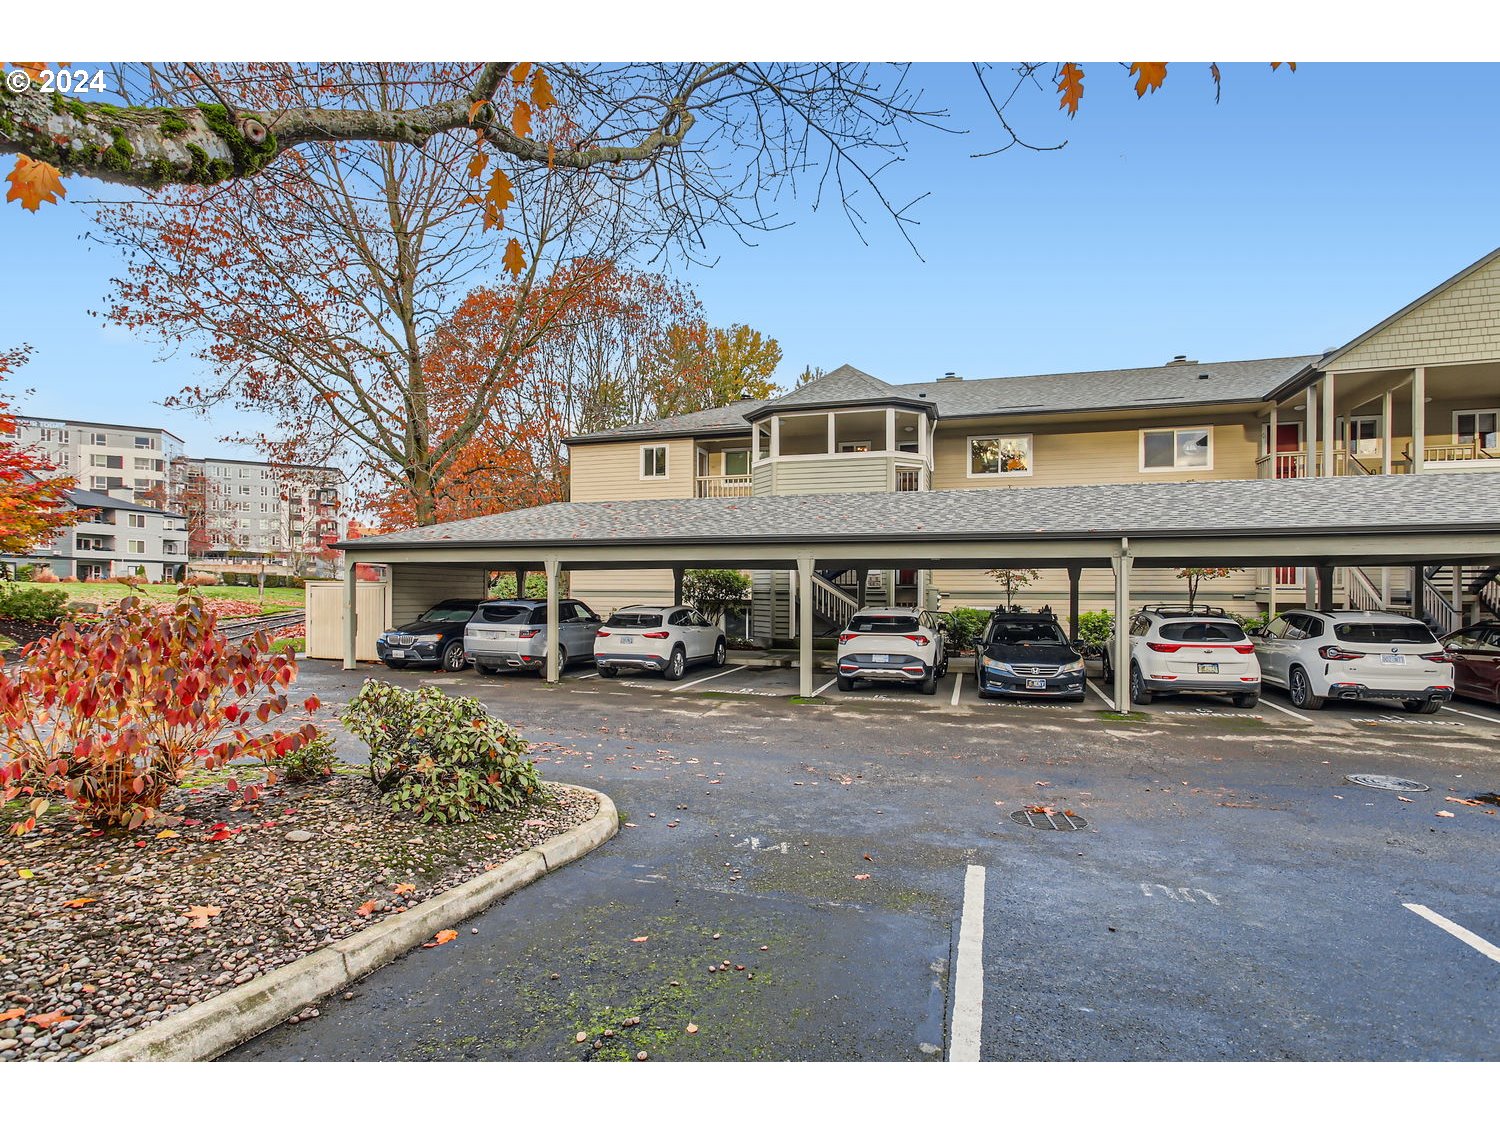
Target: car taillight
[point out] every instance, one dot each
(917, 639)
(1333, 652)
(1162, 646)
(527, 634)
(602, 633)
(657, 634)
(1245, 648)
(1437, 657)
(845, 638)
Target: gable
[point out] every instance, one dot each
(1459, 322)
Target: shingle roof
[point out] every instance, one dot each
(1322, 505)
(83, 498)
(1186, 384)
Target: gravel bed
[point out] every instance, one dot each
(96, 935)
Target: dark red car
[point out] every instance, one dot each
(1476, 660)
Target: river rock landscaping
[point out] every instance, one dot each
(106, 932)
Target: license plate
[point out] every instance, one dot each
(627, 640)
(1208, 669)
(882, 658)
(1036, 685)
(1392, 658)
(398, 654)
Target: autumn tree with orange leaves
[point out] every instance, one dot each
(33, 505)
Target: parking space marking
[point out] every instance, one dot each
(1468, 937)
(1285, 710)
(825, 687)
(958, 685)
(1471, 715)
(1108, 702)
(587, 676)
(968, 976)
(705, 679)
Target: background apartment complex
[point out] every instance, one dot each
(251, 510)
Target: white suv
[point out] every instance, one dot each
(663, 639)
(1353, 654)
(894, 645)
(1189, 649)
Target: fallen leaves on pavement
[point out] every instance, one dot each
(442, 937)
(200, 916)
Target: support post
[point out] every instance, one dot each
(1309, 587)
(861, 580)
(1271, 596)
(1272, 442)
(1328, 419)
(1310, 434)
(1122, 628)
(805, 632)
(1418, 574)
(554, 572)
(1075, 576)
(351, 613)
(1387, 404)
(1325, 588)
(677, 585)
(1418, 419)
(520, 582)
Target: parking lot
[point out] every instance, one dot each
(1228, 893)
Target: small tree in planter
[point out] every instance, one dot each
(111, 719)
(713, 592)
(1014, 581)
(1193, 575)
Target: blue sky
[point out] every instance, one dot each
(1288, 218)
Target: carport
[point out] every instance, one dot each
(1314, 522)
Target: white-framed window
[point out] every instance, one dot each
(137, 519)
(1000, 455)
(1165, 451)
(854, 447)
(1360, 435)
(136, 546)
(98, 439)
(145, 442)
(1482, 426)
(736, 462)
(653, 462)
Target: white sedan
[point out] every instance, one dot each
(663, 639)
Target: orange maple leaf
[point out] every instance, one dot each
(476, 107)
(11, 1013)
(520, 119)
(514, 260)
(77, 902)
(1148, 76)
(200, 916)
(497, 199)
(541, 91)
(48, 1019)
(478, 164)
(1070, 86)
(34, 182)
(519, 72)
(365, 909)
(403, 888)
(442, 937)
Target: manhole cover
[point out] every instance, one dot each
(1384, 781)
(1058, 821)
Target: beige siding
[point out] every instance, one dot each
(843, 473)
(612, 471)
(325, 618)
(417, 587)
(762, 478)
(1091, 453)
(605, 591)
(1459, 325)
(770, 593)
(1096, 590)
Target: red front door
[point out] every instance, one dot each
(1289, 440)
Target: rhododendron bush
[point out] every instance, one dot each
(111, 717)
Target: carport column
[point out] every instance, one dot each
(861, 580)
(677, 585)
(351, 612)
(520, 582)
(1325, 588)
(1122, 629)
(1075, 573)
(804, 626)
(554, 571)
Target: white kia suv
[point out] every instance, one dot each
(893, 645)
(663, 639)
(1319, 655)
(1196, 649)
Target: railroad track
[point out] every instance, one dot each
(246, 626)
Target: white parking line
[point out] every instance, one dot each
(587, 676)
(968, 974)
(1108, 702)
(1284, 710)
(1471, 715)
(958, 685)
(1468, 937)
(825, 687)
(705, 679)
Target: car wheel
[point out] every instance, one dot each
(486, 669)
(608, 672)
(453, 657)
(1299, 687)
(846, 683)
(721, 653)
(1422, 706)
(1139, 694)
(676, 665)
(1107, 671)
(1246, 700)
(928, 684)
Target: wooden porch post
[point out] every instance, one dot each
(1272, 443)
(677, 585)
(520, 582)
(1418, 418)
(861, 580)
(351, 612)
(1328, 419)
(1310, 434)
(1122, 628)
(805, 640)
(1075, 574)
(1387, 403)
(1325, 588)
(554, 571)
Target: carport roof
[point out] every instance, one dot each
(1216, 508)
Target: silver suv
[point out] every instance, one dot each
(513, 634)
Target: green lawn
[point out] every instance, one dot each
(277, 600)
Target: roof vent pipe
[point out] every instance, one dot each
(1179, 361)
(951, 377)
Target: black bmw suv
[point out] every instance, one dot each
(434, 639)
(1027, 654)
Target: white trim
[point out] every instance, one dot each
(1029, 470)
(1174, 431)
(1495, 410)
(666, 462)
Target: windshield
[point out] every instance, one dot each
(633, 620)
(1202, 631)
(448, 613)
(1384, 632)
(504, 614)
(1024, 633)
(882, 624)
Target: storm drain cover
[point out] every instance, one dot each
(1384, 781)
(1057, 821)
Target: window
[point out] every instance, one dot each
(1202, 631)
(137, 519)
(98, 439)
(1000, 455)
(882, 623)
(145, 443)
(104, 484)
(854, 447)
(653, 461)
(736, 462)
(1167, 450)
(106, 461)
(1383, 633)
(136, 546)
(634, 620)
(147, 465)
(1477, 425)
(1362, 436)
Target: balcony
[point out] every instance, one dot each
(1369, 461)
(737, 484)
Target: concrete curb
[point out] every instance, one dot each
(205, 1031)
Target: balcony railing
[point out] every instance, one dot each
(733, 485)
(1462, 451)
(1293, 463)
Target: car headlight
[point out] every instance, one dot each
(1076, 666)
(429, 639)
(996, 665)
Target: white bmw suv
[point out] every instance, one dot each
(1189, 649)
(1354, 654)
(894, 645)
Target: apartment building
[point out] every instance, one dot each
(126, 462)
(116, 538)
(280, 514)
